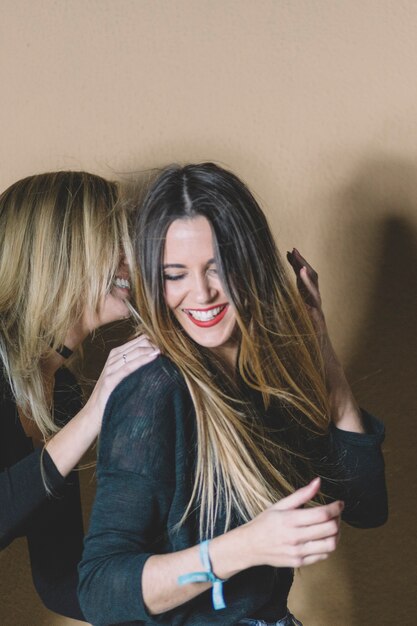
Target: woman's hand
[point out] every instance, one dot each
(285, 535)
(68, 446)
(343, 407)
(121, 362)
(288, 535)
(308, 286)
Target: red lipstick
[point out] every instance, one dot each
(211, 322)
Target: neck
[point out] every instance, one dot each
(76, 334)
(228, 355)
(74, 337)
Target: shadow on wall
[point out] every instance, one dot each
(382, 364)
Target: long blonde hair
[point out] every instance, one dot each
(61, 236)
(241, 466)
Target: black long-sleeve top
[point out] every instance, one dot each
(145, 474)
(52, 523)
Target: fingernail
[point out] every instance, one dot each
(155, 353)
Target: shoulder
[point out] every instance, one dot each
(156, 380)
(142, 418)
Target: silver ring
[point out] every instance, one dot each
(124, 359)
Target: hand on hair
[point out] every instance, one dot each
(343, 407)
(288, 535)
(308, 287)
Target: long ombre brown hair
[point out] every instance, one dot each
(61, 236)
(241, 468)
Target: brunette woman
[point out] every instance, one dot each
(246, 419)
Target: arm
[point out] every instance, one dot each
(53, 526)
(22, 492)
(22, 488)
(344, 410)
(284, 535)
(70, 444)
(129, 570)
(55, 540)
(355, 436)
(55, 532)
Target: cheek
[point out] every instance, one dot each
(173, 295)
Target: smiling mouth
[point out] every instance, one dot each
(121, 283)
(207, 317)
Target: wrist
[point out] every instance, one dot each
(232, 552)
(90, 420)
(345, 413)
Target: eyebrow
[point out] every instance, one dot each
(180, 266)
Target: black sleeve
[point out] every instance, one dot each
(55, 532)
(360, 473)
(52, 523)
(135, 483)
(22, 491)
(55, 540)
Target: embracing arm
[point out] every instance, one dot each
(70, 444)
(22, 486)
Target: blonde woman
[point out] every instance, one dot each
(64, 253)
(209, 454)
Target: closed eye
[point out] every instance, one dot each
(173, 276)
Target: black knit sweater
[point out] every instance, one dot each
(52, 524)
(145, 473)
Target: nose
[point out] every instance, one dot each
(123, 264)
(205, 291)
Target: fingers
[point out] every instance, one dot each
(318, 531)
(316, 537)
(299, 497)
(321, 547)
(141, 340)
(309, 560)
(301, 262)
(307, 278)
(125, 359)
(132, 357)
(289, 535)
(313, 297)
(317, 514)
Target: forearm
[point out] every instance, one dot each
(68, 446)
(160, 588)
(344, 410)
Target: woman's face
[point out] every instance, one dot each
(113, 307)
(193, 290)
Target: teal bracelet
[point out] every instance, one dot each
(206, 577)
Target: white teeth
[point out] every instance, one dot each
(205, 316)
(123, 283)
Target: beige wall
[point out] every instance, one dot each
(314, 104)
